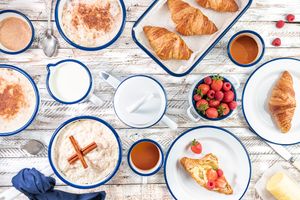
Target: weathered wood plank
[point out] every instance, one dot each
(260, 10)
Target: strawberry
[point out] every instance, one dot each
(196, 147)
(290, 17)
(223, 109)
(219, 95)
(197, 97)
(217, 83)
(210, 185)
(280, 24)
(211, 94)
(202, 89)
(276, 42)
(211, 113)
(228, 96)
(226, 86)
(212, 175)
(220, 172)
(213, 103)
(232, 105)
(220, 183)
(202, 105)
(208, 80)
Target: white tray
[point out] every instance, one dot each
(158, 14)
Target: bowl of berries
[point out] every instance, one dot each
(212, 98)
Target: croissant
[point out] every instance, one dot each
(282, 103)
(219, 5)
(190, 20)
(166, 44)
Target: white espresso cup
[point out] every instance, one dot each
(70, 81)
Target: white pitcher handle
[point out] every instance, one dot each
(96, 100)
(234, 81)
(113, 81)
(169, 122)
(192, 114)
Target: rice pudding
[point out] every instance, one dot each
(99, 151)
(91, 23)
(15, 33)
(17, 100)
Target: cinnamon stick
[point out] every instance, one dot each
(78, 151)
(84, 151)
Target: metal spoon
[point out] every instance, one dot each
(33, 147)
(49, 42)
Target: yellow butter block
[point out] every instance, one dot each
(283, 188)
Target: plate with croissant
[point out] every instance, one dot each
(207, 162)
(270, 101)
(177, 34)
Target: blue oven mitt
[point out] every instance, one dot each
(36, 186)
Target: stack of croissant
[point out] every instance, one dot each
(189, 21)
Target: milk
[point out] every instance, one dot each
(69, 81)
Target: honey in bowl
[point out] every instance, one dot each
(244, 49)
(145, 155)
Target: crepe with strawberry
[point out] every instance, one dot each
(207, 173)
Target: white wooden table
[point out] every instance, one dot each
(124, 58)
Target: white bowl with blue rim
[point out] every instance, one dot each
(65, 179)
(130, 91)
(192, 111)
(14, 13)
(260, 44)
(149, 172)
(37, 99)
(69, 81)
(256, 94)
(232, 156)
(58, 20)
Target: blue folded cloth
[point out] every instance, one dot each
(36, 186)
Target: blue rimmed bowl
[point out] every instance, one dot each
(58, 15)
(260, 44)
(149, 172)
(14, 13)
(37, 97)
(195, 114)
(60, 175)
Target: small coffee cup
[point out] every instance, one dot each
(70, 81)
(246, 48)
(145, 157)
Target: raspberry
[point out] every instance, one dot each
(276, 42)
(280, 24)
(290, 17)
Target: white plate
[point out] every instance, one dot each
(158, 14)
(233, 160)
(255, 100)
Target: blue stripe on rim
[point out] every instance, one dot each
(37, 95)
(165, 100)
(242, 32)
(48, 77)
(60, 30)
(32, 32)
(251, 128)
(85, 186)
(203, 116)
(207, 126)
(199, 59)
(160, 149)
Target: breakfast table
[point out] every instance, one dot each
(124, 58)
